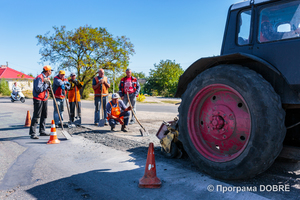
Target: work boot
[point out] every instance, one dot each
(112, 129)
(34, 137)
(124, 129)
(44, 134)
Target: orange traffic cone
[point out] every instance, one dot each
(28, 120)
(149, 180)
(53, 136)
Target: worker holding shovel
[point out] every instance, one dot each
(74, 96)
(117, 111)
(41, 85)
(129, 85)
(100, 86)
(60, 85)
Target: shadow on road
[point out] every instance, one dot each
(13, 128)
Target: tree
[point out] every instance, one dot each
(85, 50)
(164, 78)
(4, 89)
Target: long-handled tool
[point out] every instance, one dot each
(77, 120)
(102, 121)
(143, 131)
(65, 133)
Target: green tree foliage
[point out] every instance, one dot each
(84, 51)
(4, 89)
(164, 78)
(140, 75)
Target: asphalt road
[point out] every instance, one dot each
(82, 169)
(151, 107)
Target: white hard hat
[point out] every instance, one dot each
(115, 96)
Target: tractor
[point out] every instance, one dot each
(239, 111)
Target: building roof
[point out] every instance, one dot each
(9, 73)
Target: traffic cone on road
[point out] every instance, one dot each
(28, 120)
(149, 180)
(53, 136)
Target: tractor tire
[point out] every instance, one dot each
(231, 122)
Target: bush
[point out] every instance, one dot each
(4, 89)
(141, 98)
(28, 94)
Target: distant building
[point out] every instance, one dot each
(24, 81)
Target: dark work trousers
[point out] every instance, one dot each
(39, 111)
(72, 110)
(97, 101)
(132, 99)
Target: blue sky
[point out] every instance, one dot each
(178, 30)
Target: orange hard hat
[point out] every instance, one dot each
(47, 68)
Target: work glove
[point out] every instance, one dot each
(67, 83)
(127, 109)
(120, 121)
(47, 81)
(76, 82)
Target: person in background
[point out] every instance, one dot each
(41, 85)
(131, 85)
(72, 97)
(15, 89)
(116, 110)
(60, 85)
(100, 83)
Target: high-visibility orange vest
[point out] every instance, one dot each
(71, 95)
(98, 90)
(115, 111)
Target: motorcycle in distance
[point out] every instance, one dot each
(17, 96)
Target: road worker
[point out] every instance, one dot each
(117, 112)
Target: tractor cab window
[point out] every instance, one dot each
(279, 22)
(244, 22)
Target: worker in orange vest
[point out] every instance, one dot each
(100, 85)
(72, 97)
(41, 86)
(60, 85)
(116, 110)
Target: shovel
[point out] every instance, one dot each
(65, 133)
(143, 131)
(77, 120)
(102, 121)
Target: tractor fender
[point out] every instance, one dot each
(262, 67)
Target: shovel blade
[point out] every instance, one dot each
(66, 134)
(144, 132)
(101, 123)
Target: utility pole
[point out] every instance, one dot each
(6, 64)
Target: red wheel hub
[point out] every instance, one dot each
(219, 123)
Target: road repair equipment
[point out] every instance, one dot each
(168, 134)
(77, 119)
(143, 131)
(150, 180)
(239, 110)
(53, 136)
(102, 121)
(65, 133)
(28, 119)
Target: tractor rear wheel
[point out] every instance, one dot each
(231, 122)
